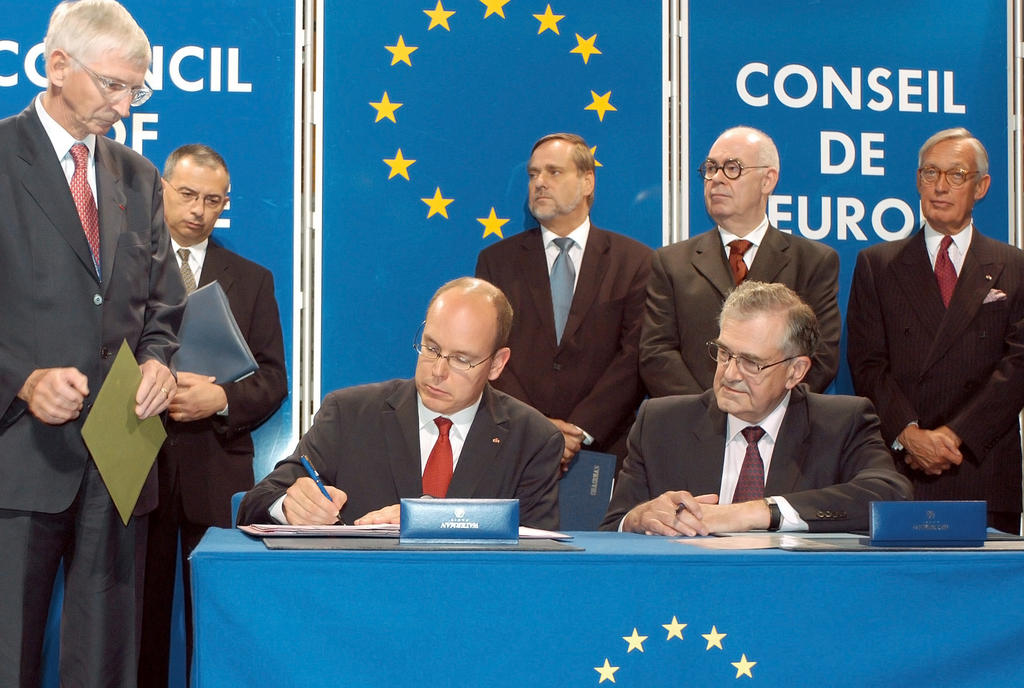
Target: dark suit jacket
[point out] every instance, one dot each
(829, 461)
(962, 367)
(591, 377)
(365, 441)
(56, 313)
(689, 282)
(212, 458)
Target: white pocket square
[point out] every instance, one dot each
(994, 295)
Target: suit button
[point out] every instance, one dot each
(821, 514)
(97, 300)
(104, 353)
(556, 366)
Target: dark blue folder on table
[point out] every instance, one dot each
(585, 490)
(211, 342)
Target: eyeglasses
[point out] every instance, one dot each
(955, 177)
(747, 366)
(432, 354)
(116, 91)
(731, 168)
(188, 197)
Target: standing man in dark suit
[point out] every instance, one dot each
(757, 451)
(208, 453)
(690, 279)
(577, 326)
(445, 433)
(936, 339)
(86, 265)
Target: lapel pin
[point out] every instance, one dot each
(495, 440)
(120, 206)
(988, 277)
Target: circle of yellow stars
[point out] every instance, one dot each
(674, 629)
(402, 53)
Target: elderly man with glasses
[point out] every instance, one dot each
(445, 433)
(936, 339)
(758, 451)
(87, 265)
(690, 279)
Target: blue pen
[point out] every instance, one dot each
(319, 483)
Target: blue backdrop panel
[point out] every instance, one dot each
(474, 96)
(223, 75)
(871, 80)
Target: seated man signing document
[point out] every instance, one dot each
(757, 451)
(445, 433)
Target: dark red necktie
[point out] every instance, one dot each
(84, 201)
(737, 247)
(438, 471)
(945, 273)
(751, 481)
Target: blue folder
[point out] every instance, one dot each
(211, 342)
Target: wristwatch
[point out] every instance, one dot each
(775, 514)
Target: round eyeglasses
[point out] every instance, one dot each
(955, 177)
(731, 168)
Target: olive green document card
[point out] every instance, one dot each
(123, 447)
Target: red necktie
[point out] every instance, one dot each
(438, 471)
(751, 481)
(945, 273)
(737, 247)
(84, 201)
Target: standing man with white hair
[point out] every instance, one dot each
(936, 339)
(690, 279)
(86, 265)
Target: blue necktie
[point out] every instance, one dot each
(563, 276)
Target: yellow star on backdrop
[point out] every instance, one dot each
(743, 667)
(400, 52)
(600, 104)
(714, 638)
(607, 672)
(439, 16)
(548, 20)
(675, 629)
(437, 204)
(636, 641)
(495, 7)
(492, 225)
(593, 151)
(398, 165)
(585, 47)
(385, 108)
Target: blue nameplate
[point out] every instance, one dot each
(460, 521)
(928, 524)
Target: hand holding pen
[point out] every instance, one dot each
(304, 503)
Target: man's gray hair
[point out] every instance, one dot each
(751, 299)
(86, 29)
(958, 134)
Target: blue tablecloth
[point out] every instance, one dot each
(363, 618)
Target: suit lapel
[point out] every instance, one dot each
(480, 451)
(981, 269)
(706, 456)
(43, 175)
(216, 268)
(113, 220)
(790, 452)
(708, 260)
(771, 257)
(912, 271)
(532, 264)
(594, 265)
(400, 422)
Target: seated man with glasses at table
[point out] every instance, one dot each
(757, 451)
(445, 433)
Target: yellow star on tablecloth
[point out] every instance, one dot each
(585, 47)
(385, 108)
(492, 225)
(400, 52)
(743, 667)
(439, 16)
(675, 629)
(437, 204)
(607, 672)
(600, 104)
(636, 641)
(548, 20)
(398, 165)
(495, 7)
(714, 638)
(593, 151)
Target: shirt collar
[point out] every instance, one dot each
(755, 236)
(59, 137)
(461, 420)
(197, 252)
(962, 239)
(579, 235)
(770, 423)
